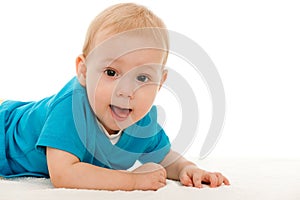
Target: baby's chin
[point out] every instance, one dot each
(121, 125)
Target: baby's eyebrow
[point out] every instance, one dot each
(153, 66)
(116, 61)
(109, 60)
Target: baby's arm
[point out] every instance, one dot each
(178, 168)
(66, 171)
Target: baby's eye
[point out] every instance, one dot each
(110, 72)
(142, 78)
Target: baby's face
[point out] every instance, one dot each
(122, 90)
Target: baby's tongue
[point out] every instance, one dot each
(121, 112)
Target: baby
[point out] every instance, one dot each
(103, 120)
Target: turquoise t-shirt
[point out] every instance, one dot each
(65, 121)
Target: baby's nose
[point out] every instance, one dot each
(126, 87)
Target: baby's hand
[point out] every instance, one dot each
(150, 176)
(193, 176)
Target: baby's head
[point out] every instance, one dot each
(122, 64)
(120, 18)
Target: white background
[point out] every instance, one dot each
(255, 46)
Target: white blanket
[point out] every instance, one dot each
(250, 179)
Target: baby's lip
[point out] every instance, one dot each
(120, 107)
(120, 113)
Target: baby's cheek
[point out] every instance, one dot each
(141, 110)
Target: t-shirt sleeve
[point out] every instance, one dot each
(59, 130)
(159, 144)
(157, 151)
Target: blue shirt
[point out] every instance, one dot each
(65, 121)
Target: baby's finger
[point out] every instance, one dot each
(220, 178)
(197, 179)
(226, 181)
(164, 172)
(159, 185)
(213, 180)
(163, 180)
(186, 180)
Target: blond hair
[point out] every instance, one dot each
(124, 17)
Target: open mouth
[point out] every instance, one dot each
(119, 113)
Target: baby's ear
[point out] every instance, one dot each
(163, 78)
(81, 70)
